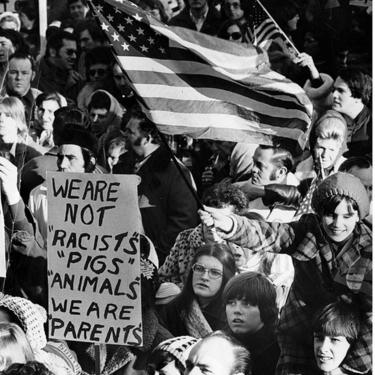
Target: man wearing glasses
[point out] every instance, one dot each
(57, 70)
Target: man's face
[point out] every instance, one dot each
(263, 171)
(78, 10)
(120, 78)
(46, 113)
(98, 72)
(6, 49)
(85, 40)
(134, 138)
(365, 175)
(197, 4)
(343, 100)
(233, 9)
(70, 159)
(207, 357)
(328, 150)
(19, 76)
(329, 351)
(339, 225)
(99, 120)
(67, 55)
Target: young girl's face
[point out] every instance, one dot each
(339, 225)
(242, 317)
(329, 351)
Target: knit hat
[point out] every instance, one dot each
(31, 316)
(343, 184)
(180, 347)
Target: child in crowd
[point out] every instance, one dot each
(336, 327)
(332, 252)
(250, 306)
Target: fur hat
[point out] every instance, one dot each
(75, 135)
(343, 184)
(31, 316)
(180, 347)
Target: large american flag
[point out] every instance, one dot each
(264, 30)
(195, 84)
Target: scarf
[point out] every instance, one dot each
(195, 322)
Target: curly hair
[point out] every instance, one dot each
(222, 194)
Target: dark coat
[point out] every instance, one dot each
(210, 24)
(167, 206)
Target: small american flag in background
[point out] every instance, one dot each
(195, 84)
(264, 31)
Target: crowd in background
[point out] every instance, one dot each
(272, 275)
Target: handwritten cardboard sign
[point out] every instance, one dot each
(93, 258)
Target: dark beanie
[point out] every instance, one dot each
(76, 135)
(343, 184)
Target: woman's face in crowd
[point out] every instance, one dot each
(8, 127)
(242, 317)
(46, 113)
(204, 286)
(328, 150)
(12, 354)
(339, 225)
(234, 33)
(329, 351)
(233, 9)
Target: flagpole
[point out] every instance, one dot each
(177, 164)
(281, 30)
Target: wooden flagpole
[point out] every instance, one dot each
(280, 29)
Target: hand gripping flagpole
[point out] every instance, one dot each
(280, 29)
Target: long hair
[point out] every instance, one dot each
(15, 108)
(224, 255)
(11, 336)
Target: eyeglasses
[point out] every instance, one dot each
(236, 35)
(71, 51)
(213, 273)
(232, 5)
(100, 72)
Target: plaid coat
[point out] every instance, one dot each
(320, 277)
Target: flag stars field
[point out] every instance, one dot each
(194, 83)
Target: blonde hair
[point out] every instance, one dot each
(11, 336)
(16, 110)
(331, 125)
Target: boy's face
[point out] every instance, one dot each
(329, 351)
(339, 225)
(242, 317)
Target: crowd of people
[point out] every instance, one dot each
(257, 259)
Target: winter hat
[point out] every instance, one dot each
(180, 347)
(75, 135)
(343, 184)
(12, 17)
(31, 316)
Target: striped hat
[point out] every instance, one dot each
(180, 347)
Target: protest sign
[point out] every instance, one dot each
(93, 258)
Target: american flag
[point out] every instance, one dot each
(195, 84)
(264, 31)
